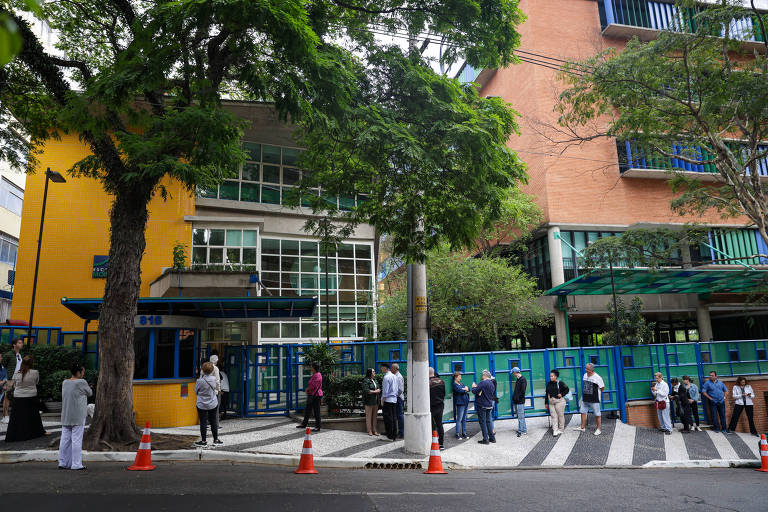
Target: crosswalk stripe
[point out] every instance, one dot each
(724, 448)
(622, 445)
(674, 446)
(565, 443)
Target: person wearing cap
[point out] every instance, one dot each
(518, 399)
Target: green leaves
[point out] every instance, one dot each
(633, 328)
(697, 91)
(474, 303)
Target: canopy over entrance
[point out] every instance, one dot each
(248, 308)
(643, 281)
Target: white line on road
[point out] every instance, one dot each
(416, 493)
(622, 445)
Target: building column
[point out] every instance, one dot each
(704, 322)
(557, 274)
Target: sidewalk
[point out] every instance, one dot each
(619, 445)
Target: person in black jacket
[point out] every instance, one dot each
(554, 397)
(684, 407)
(436, 401)
(518, 401)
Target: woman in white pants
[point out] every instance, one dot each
(660, 392)
(74, 408)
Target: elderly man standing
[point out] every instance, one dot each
(400, 400)
(389, 401)
(591, 389)
(484, 400)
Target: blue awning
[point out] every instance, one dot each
(248, 308)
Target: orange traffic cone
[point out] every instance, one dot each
(307, 461)
(435, 462)
(143, 460)
(763, 454)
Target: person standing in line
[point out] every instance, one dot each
(693, 400)
(437, 405)
(460, 404)
(592, 387)
(714, 391)
(660, 390)
(224, 395)
(743, 396)
(389, 402)
(371, 392)
(207, 405)
(674, 404)
(3, 382)
(314, 393)
(25, 422)
(518, 399)
(74, 409)
(684, 408)
(400, 412)
(484, 393)
(554, 397)
(7, 396)
(214, 360)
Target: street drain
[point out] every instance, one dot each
(393, 465)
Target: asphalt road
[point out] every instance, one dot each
(191, 487)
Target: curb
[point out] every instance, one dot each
(344, 462)
(212, 455)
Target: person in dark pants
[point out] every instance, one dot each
(207, 404)
(714, 391)
(693, 400)
(743, 396)
(389, 402)
(684, 407)
(436, 404)
(314, 397)
(400, 415)
(674, 403)
(518, 401)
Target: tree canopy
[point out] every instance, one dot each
(693, 96)
(142, 84)
(474, 303)
(633, 328)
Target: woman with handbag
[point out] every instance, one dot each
(25, 420)
(207, 405)
(660, 391)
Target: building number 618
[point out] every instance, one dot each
(151, 320)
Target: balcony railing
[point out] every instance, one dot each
(645, 18)
(637, 161)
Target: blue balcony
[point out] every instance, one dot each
(635, 161)
(645, 19)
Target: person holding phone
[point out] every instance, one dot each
(660, 390)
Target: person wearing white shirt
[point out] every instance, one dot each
(16, 346)
(743, 400)
(592, 386)
(389, 401)
(660, 392)
(399, 414)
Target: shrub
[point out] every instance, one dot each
(53, 362)
(344, 394)
(324, 355)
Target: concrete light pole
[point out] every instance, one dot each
(418, 421)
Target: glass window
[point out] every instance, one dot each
(229, 190)
(250, 257)
(270, 194)
(290, 247)
(253, 150)
(348, 330)
(308, 282)
(346, 251)
(234, 238)
(309, 265)
(216, 237)
(251, 171)
(270, 154)
(309, 248)
(347, 266)
(233, 256)
(250, 238)
(186, 353)
(290, 176)
(141, 353)
(363, 266)
(270, 246)
(290, 156)
(270, 279)
(289, 264)
(271, 174)
(363, 251)
(250, 192)
(270, 263)
(310, 330)
(270, 330)
(165, 345)
(215, 255)
(289, 330)
(199, 237)
(198, 255)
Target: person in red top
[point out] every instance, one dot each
(314, 396)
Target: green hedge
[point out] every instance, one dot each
(53, 362)
(344, 394)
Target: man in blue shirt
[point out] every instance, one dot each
(389, 401)
(714, 392)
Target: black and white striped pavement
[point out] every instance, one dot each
(618, 445)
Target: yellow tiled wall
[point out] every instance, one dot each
(163, 406)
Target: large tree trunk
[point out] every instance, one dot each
(113, 419)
